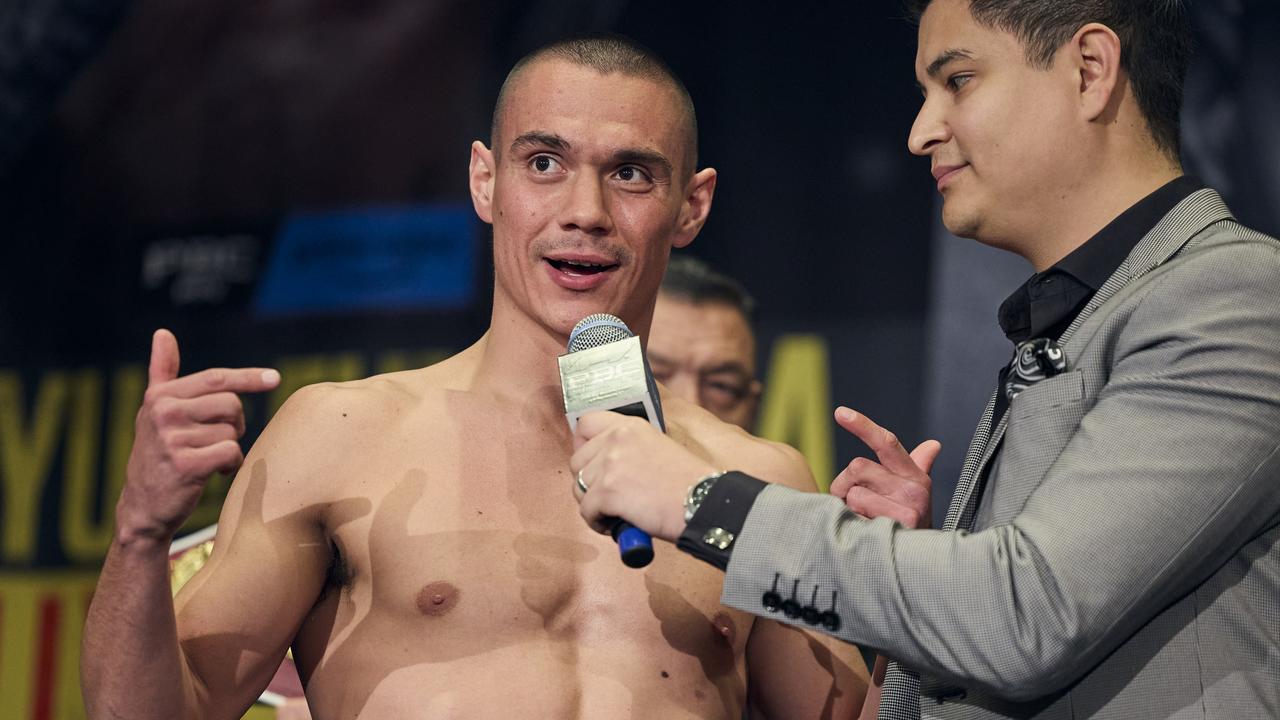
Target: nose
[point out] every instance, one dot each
(685, 386)
(586, 207)
(929, 130)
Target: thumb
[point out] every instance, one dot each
(925, 453)
(164, 358)
(592, 424)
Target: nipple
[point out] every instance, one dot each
(437, 598)
(723, 625)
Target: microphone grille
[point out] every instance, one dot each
(596, 330)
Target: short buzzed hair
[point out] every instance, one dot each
(692, 280)
(607, 53)
(1155, 45)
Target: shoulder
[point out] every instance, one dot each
(321, 430)
(323, 407)
(732, 448)
(371, 403)
(1233, 270)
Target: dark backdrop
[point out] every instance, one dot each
(154, 154)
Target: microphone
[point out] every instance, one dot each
(605, 369)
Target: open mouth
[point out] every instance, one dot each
(581, 268)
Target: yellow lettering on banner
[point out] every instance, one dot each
(19, 624)
(796, 407)
(127, 387)
(68, 702)
(26, 455)
(83, 539)
(21, 597)
(295, 372)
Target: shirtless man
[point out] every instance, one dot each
(413, 535)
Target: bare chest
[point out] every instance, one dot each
(476, 545)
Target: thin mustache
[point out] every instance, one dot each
(619, 255)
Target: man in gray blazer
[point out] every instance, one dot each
(1113, 547)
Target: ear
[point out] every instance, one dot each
(1096, 51)
(483, 172)
(696, 206)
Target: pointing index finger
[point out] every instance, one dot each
(215, 380)
(882, 442)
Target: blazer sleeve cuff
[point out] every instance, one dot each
(712, 531)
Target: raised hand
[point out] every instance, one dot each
(188, 428)
(897, 487)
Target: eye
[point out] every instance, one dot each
(958, 81)
(632, 174)
(661, 372)
(544, 164)
(721, 394)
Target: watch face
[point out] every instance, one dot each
(697, 494)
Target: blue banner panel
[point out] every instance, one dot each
(419, 257)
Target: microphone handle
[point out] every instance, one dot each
(634, 545)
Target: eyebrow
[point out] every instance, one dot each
(733, 366)
(730, 366)
(639, 156)
(539, 138)
(945, 58)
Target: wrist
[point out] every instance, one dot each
(132, 533)
(139, 540)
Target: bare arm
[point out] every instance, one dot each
(795, 673)
(135, 661)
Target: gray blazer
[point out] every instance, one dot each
(1125, 559)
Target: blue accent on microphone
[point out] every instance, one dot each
(634, 545)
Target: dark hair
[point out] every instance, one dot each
(1155, 45)
(688, 278)
(607, 53)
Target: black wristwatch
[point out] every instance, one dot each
(697, 493)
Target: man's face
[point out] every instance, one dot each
(586, 193)
(1001, 133)
(705, 353)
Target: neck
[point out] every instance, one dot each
(1112, 185)
(516, 358)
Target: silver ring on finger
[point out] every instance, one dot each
(581, 484)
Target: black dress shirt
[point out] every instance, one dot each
(1044, 306)
(1048, 302)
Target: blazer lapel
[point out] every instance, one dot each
(1187, 219)
(973, 460)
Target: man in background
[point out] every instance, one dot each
(702, 346)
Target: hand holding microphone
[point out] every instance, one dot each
(624, 466)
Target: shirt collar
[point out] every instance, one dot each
(1033, 310)
(1096, 260)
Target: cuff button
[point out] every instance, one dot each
(791, 608)
(811, 615)
(772, 601)
(831, 621)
